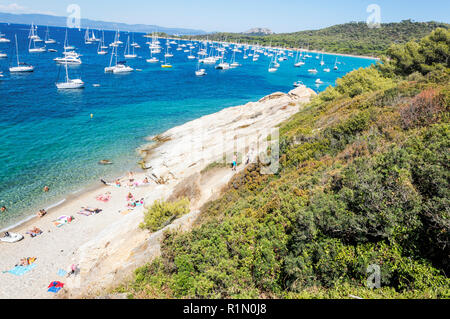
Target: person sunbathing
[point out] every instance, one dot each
(145, 181)
(34, 232)
(42, 213)
(95, 210)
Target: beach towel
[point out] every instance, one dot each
(62, 220)
(21, 270)
(126, 212)
(62, 273)
(34, 234)
(103, 198)
(55, 286)
(85, 213)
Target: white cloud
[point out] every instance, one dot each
(16, 8)
(12, 8)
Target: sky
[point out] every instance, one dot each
(238, 15)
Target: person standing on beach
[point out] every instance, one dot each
(234, 162)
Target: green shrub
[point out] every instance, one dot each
(160, 214)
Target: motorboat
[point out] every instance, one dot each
(11, 237)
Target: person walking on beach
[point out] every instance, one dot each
(234, 162)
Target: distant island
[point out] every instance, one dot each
(258, 31)
(58, 21)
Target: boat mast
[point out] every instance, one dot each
(17, 50)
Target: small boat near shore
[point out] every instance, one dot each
(11, 237)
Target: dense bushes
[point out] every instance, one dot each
(160, 214)
(431, 54)
(350, 38)
(364, 180)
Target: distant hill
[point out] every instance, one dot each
(258, 31)
(349, 38)
(42, 19)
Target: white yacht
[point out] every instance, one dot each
(68, 59)
(299, 84)
(21, 67)
(318, 81)
(3, 55)
(4, 40)
(314, 71)
(128, 54)
(200, 72)
(48, 40)
(223, 65)
(67, 47)
(120, 67)
(152, 58)
(70, 83)
(32, 48)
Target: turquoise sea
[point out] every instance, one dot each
(47, 137)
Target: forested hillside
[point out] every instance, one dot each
(349, 38)
(364, 180)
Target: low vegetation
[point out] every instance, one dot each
(364, 180)
(161, 214)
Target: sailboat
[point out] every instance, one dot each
(87, 39)
(120, 67)
(166, 65)
(129, 55)
(168, 54)
(200, 72)
(190, 56)
(3, 55)
(234, 64)
(223, 65)
(32, 48)
(21, 67)
(103, 46)
(335, 64)
(322, 62)
(70, 83)
(32, 34)
(66, 43)
(101, 51)
(272, 68)
(152, 58)
(48, 40)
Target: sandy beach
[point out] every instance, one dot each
(108, 246)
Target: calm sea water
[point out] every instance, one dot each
(48, 137)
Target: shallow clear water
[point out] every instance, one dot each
(48, 137)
